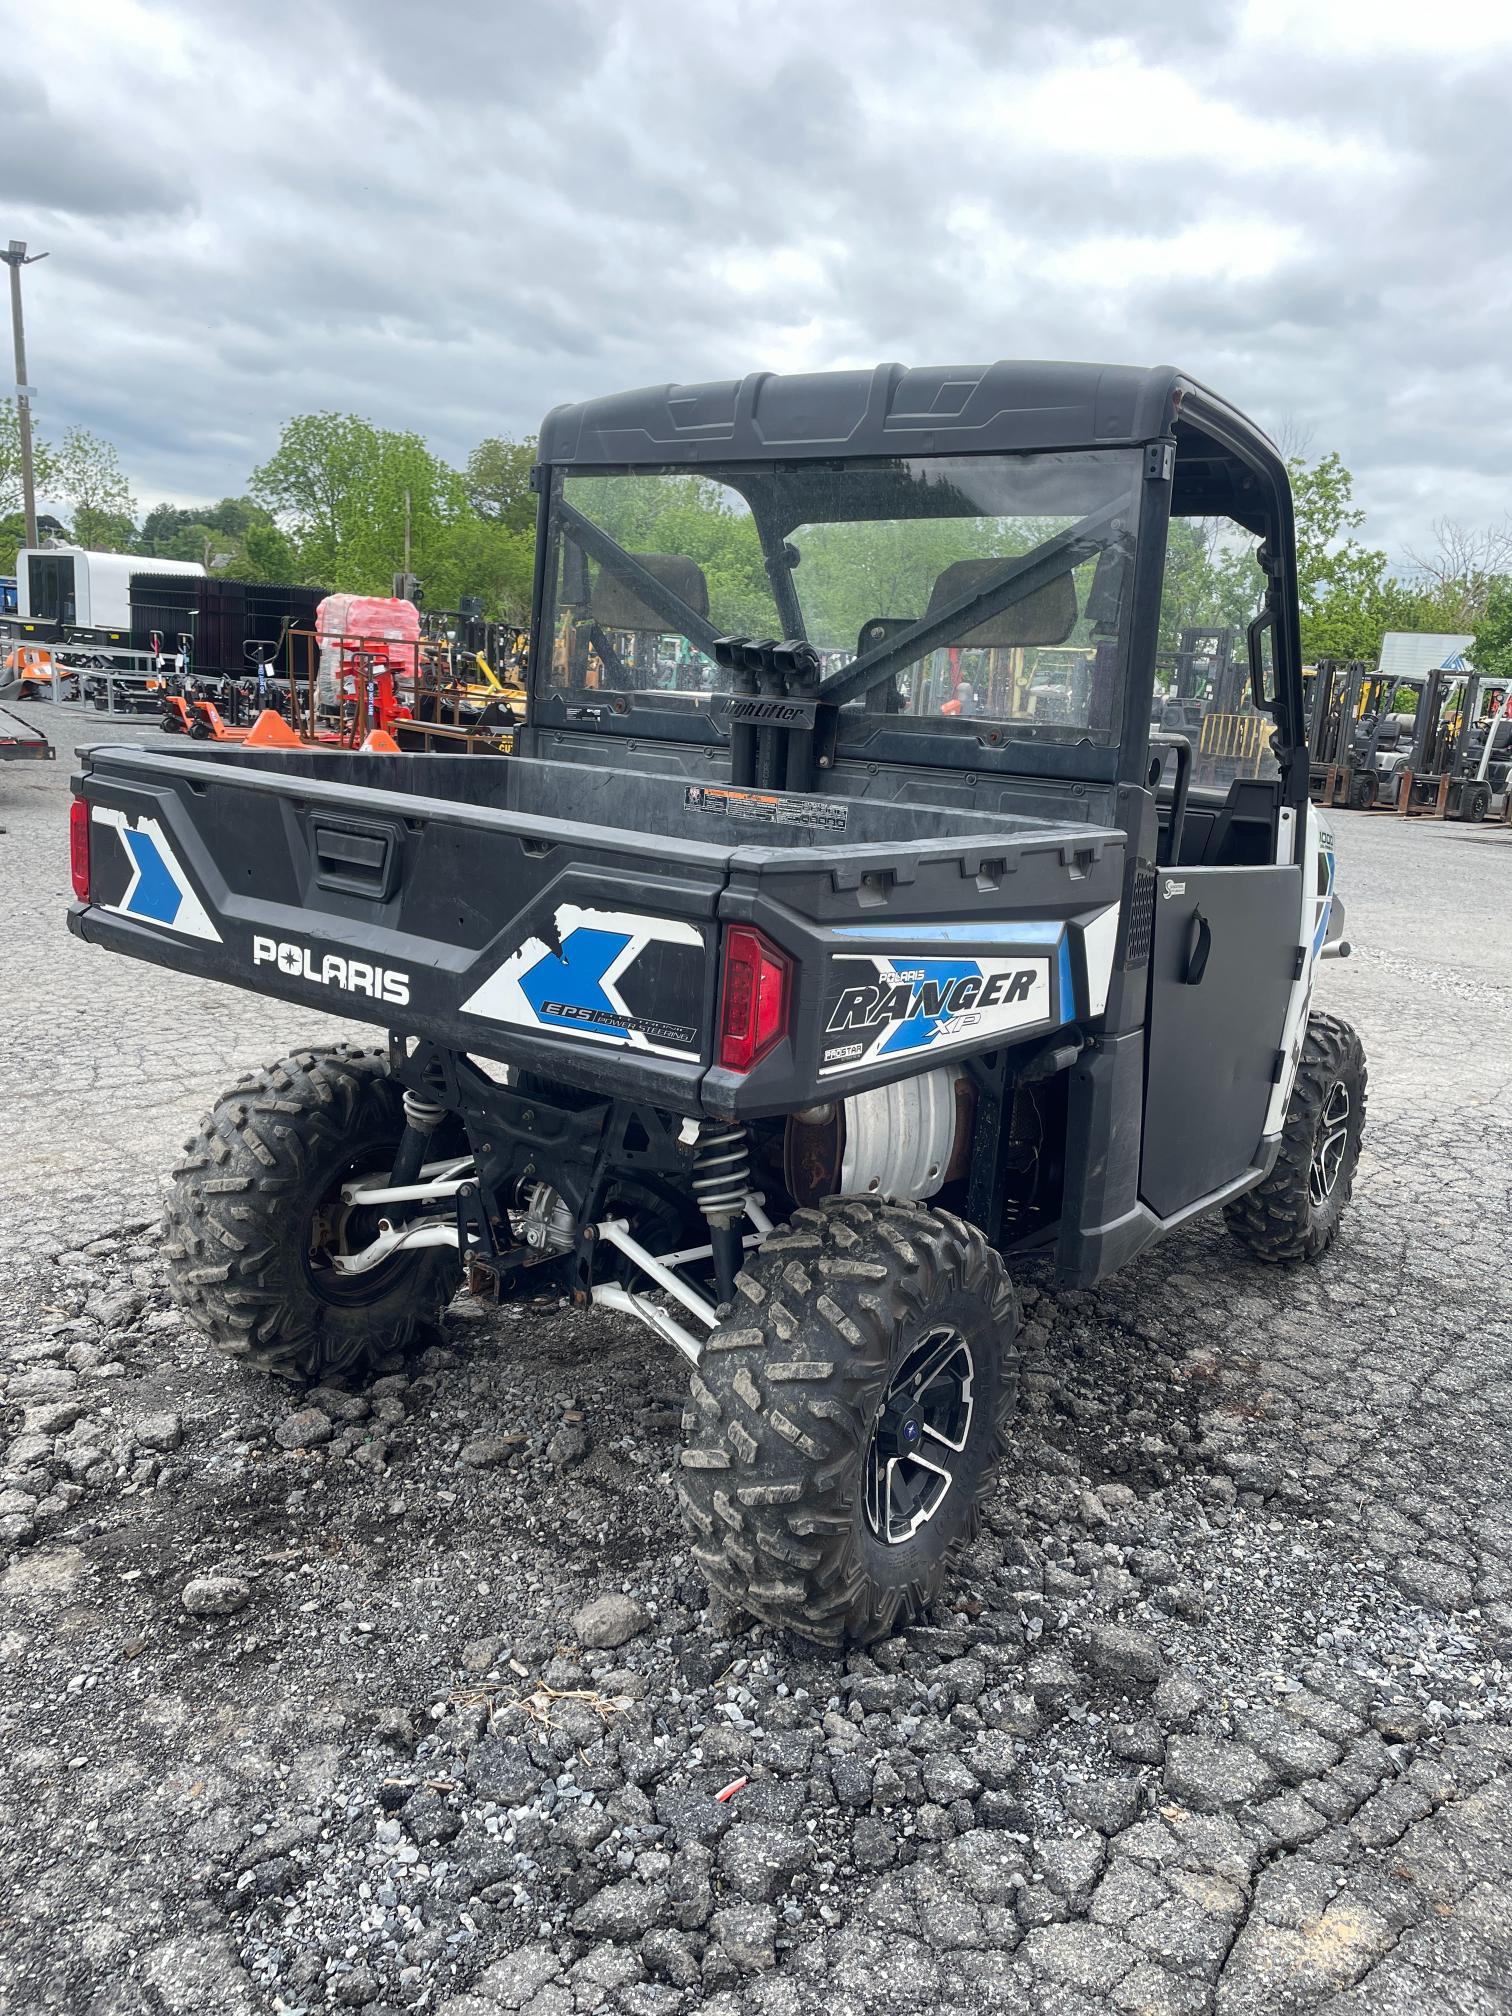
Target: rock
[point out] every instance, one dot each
(1130, 1657)
(429, 1820)
(947, 1779)
(479, 1654)
(759, 1861)
(355, 1989)
(1137, 1742)
(1210, 1775)
(608, 1621)
(993, 1760)
(339, 1406)
(689, 1890)
(51, 1417)
(1053, 1680)
(1088, 1957)
(159, 1431)
(747, 1935)
(487, 1451)
(990, 1866)
(1433, 1584)
(518, 1978)
(305, 1428)
(570, 1444)
(1072, 1866)
(1177, 1700)
(1108, 1804)
(215, 1595)
(623, 1911)
(670, 1957)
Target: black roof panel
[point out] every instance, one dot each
(934, 410)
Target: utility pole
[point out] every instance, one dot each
(16, 258)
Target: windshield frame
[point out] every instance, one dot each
(975, 743)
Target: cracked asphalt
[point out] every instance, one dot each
(404, 1695)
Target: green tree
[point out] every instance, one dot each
(86, 474)
(1491, 647)
(11, 489)
(497, 481)
(341, 489)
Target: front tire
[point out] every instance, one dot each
(861, 1334)
(254, 1214)
(1294, 1214)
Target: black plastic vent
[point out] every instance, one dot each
(1141, 920)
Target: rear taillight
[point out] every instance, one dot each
(78, 847)
(753, 1011)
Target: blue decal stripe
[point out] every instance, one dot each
(156, 894)
(1322, 930)
(575, 980)
(919, 1031)
(1029, 933)
(1067, 996)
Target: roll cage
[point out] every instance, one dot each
(779, 721)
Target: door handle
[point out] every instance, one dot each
(1199, 944)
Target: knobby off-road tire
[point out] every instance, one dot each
(1295, 1212)
(793, 1387)
(258, 1192)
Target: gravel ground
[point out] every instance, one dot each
(404, 1696)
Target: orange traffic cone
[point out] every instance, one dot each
(380, 743)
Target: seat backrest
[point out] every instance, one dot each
(1046, 615)
(614, 603)
(1244, 833)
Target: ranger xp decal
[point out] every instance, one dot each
(885, 1007)
(611, 977)
(156, 890)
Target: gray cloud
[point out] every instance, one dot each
(452, 221)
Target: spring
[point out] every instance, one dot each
(424, 1115)
(721, 1171)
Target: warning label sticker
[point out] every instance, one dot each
(770, 808)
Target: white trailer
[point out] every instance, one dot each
(67, 590)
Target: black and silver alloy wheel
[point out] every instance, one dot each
(845, 1419)
(921, 1430)
(1331, 1145)
(1295, 1212)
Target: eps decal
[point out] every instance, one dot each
(156, 891)
(611, 976)
(883, 1006)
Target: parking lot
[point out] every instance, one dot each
(1214, 1715)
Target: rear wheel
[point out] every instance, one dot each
(1295, 1212)
(845, 1419)
(255, 1218)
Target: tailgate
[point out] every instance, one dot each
(553, 945)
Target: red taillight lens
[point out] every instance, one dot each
(753, 1013)
(78, 847)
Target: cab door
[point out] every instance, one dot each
(1222, 965)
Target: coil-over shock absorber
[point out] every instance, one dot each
(422, 1116)
(721, 1185)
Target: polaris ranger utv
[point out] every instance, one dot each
(840, 932)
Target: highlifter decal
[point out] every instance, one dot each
(890, 1006)
(611, 977)
(157, 890)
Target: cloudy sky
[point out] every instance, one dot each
(451, 217)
